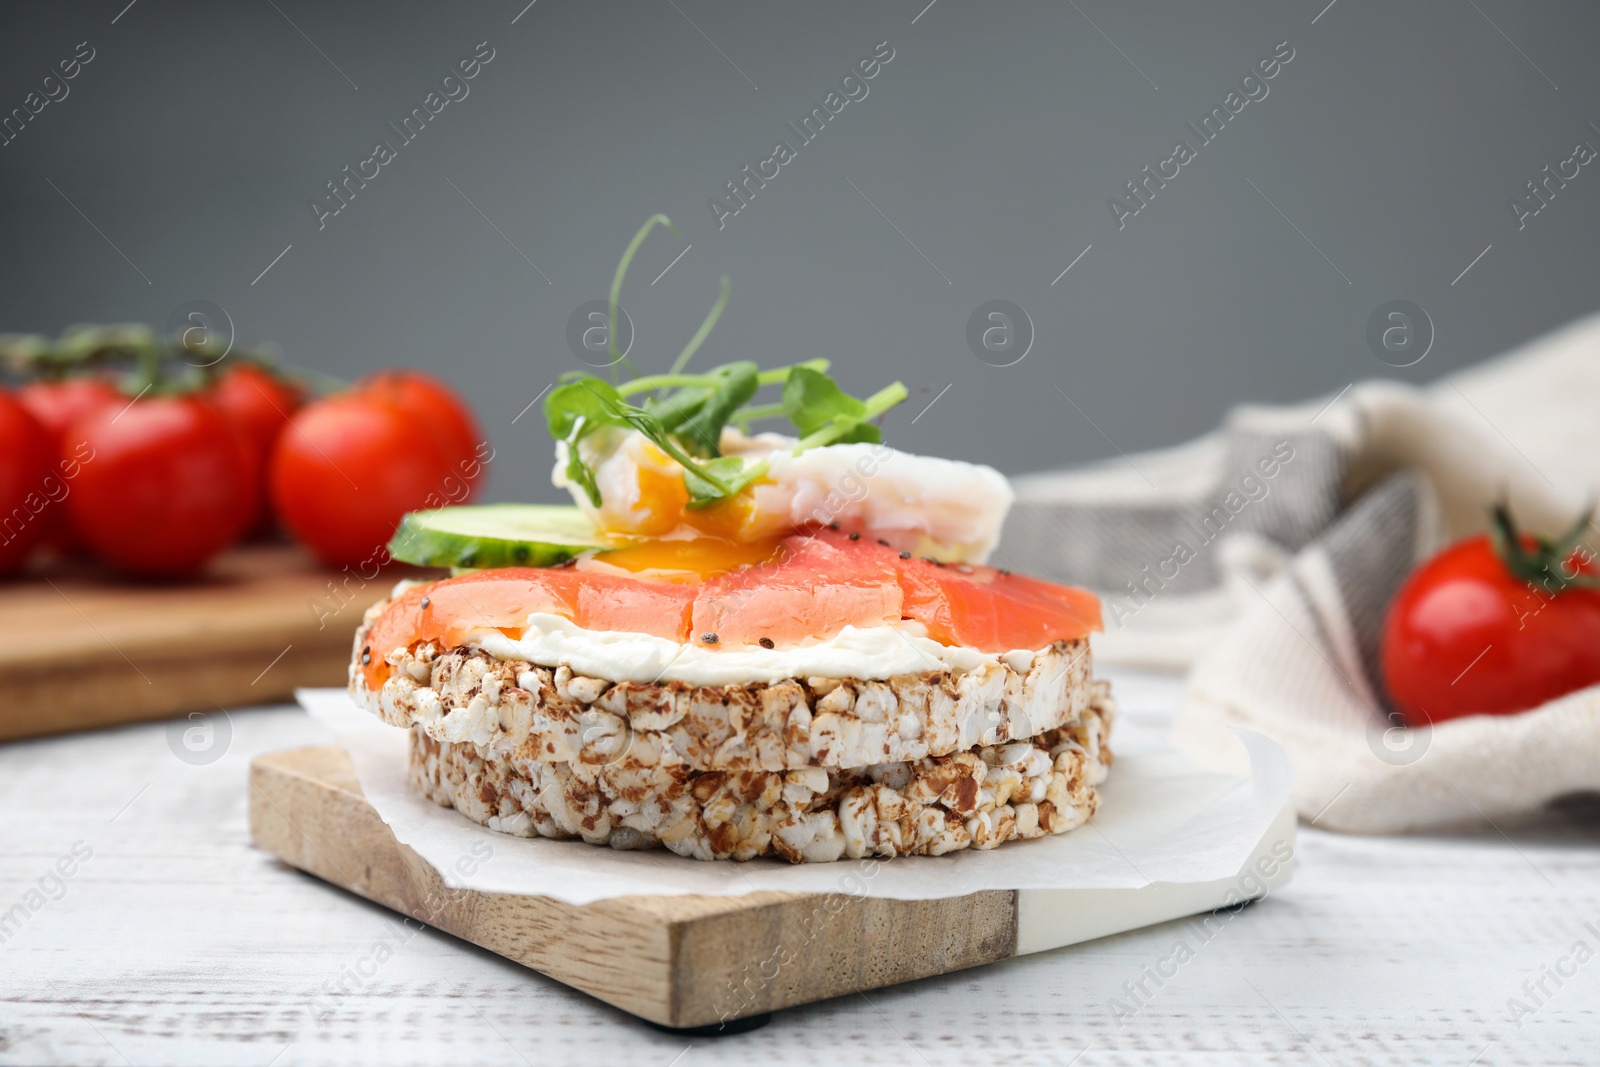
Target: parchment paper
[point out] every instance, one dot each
(1160, 820)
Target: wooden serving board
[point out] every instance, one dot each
(80, 650)
(694, 961)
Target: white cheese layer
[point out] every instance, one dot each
(874, 653)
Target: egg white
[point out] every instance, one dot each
(924, 504)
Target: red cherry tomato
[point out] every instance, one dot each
(1465, 636)
(26, 460)
(258, 401)
(56, 404)
(348, 468)
(168, 485)
(442, 412)
(259, 404)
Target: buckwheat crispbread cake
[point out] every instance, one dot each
(511, 706)
(979, 798)
(807, 769)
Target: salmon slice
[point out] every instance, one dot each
(448, 611)
(810, 586)
(982, 607)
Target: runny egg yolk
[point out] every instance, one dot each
(663, 508)
(665, 539)
(692, 560)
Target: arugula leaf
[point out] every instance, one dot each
(702, 434)
(814, 402)
(574, 411)
(697, 414)
(580, 474)
(590, 399)
(677, 407)
(730, 475)
(648, 425)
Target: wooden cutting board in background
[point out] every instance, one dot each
(80, 650)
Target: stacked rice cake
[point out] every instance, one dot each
(810, 769)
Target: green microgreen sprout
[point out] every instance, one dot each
(685, 414)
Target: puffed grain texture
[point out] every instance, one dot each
(978, 798)
(503, 707)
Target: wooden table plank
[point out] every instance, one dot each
(179, 942)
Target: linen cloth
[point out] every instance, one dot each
(1263, 558)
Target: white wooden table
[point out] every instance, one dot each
(176, 941)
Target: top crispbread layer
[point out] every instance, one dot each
(464, 695)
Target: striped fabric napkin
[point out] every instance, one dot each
(1263, 558)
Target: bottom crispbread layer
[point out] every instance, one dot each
(980, 798)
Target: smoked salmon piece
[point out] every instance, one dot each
(980, 607)
(446, 612)
(808, 587)
(812, 588)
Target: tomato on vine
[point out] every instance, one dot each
(259, 403)
(438, 410)
(1494, 625)
(171, 484)
(348, 468)
(184, 453)
(26, 460)
(56, 402)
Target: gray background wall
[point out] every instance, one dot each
(982, 162)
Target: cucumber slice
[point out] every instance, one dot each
(494, 535)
